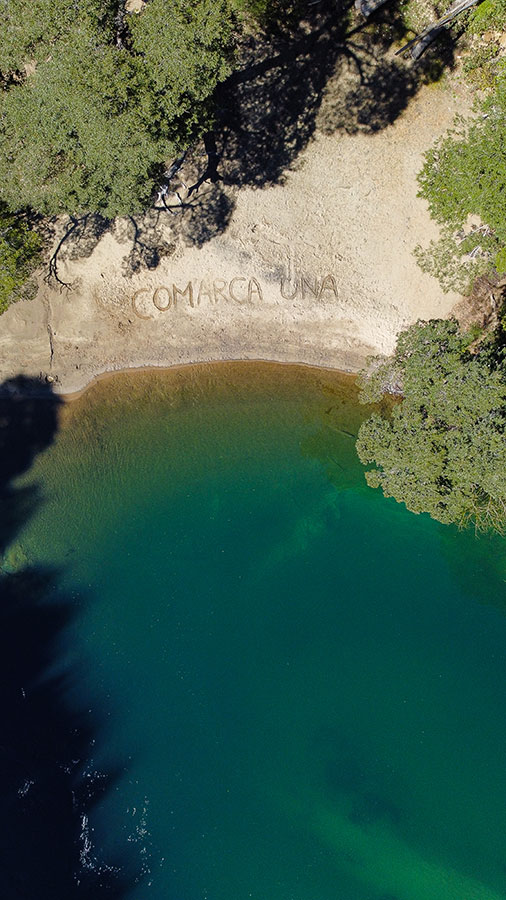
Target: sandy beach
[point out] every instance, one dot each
(315, 269)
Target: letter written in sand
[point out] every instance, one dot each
(285, 293)
(233, 290)
(135, 307)
(204, 291)
(307, 286)
(218, 287)
(162, 298)
(254, 290)
(328, 284)
(186, 292)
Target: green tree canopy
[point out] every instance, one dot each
(185, 46)
(91, 128)
(32, 28)
(19, 256)
(443, 448)
(465, 173)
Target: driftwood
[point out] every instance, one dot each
(367, 7)
(419, 44)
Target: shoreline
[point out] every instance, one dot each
(70, 396)
(110, 374)
(317, 270)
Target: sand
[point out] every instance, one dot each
(315, 269)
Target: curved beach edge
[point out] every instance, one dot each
(109, 374)
(316, 270)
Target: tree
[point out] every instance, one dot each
(273, 15)
(443, 448)
(107, 100)
(31, 30)
(186, 49)
(20, 249)
(465, 174)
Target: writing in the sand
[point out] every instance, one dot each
(240, 291)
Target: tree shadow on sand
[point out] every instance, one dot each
(316, 67)
(47, 786)
(330, 72)
(147, 241)
(269, 109)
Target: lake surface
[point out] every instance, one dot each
(301, 685)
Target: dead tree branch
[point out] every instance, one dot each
(52, 273)
(211, 171)
(367, 7)
(419, 44)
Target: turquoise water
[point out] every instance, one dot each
(303, 685)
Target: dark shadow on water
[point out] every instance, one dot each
(47, 783)
(28, 424)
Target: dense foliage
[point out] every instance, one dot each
(443, 448)
(488, 15)
(463, 175)
(20, 249)
(30, 30)
(95, 102)
(274, 15)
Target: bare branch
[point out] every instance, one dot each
(52, 273)
(211, 171)
(419, 43)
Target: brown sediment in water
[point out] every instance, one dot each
(217, 383)
(245, 371)
(159, 399)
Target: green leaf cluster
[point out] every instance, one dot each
(484, 61)
(92, 127)
(488, 15)
(442, 450)
(465, 174)
(186, 49)
(31, 29)
(20, 249)
(273, 15)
